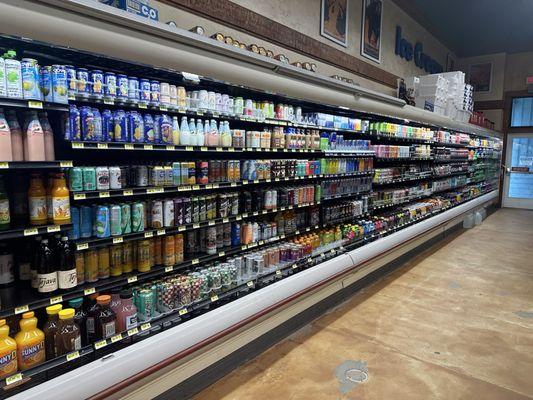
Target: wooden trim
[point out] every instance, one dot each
(489, 105)
(235, 16)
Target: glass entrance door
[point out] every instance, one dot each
(518, 182)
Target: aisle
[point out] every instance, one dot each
(454, 323)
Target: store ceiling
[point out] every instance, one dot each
(471, 28)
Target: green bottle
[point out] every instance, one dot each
(4, 207)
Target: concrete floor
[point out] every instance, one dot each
(454, 323)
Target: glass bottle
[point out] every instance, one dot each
(46, 269)
(90, 321)
(6, 151)
(7, 274)
(66, 275)
(5, 216)
(61, 200)
(185, 135)
(50, 330)
(37, 200)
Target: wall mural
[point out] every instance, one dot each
(334, 20)
(371, 29)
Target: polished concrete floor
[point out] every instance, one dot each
(454, 323)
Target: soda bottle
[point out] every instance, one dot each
(48, 137)
(17, 147)
(34, 143)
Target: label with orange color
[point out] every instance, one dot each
(61, 206)
(30, 356)
(8, 363)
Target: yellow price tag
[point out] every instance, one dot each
(78, 145)
(170, 268)
(195, 261)
(195, 187)
(161, 232)
(143, 106)
(129, 146)
(233, 184)
(278, 272)
(163, 108)
(145, 326)
(183, 311)
(220, 149)
(31, 231)
(148, 147)
(214, 298)
(132, 279)
(250, 284)
(211, 223)
(231, 149)
(109, 102)
(82, 246)
(261, 242)
(13, 379)
(127, 193)
(149, 234)
(294, 266)
(4, 165)
(73, 355)
(53, 228)
(21, 309)
(35, 104)
(116, 338)
(55, 300)
(203, 148)
(171, 148)
(133, 331)
(80, 196)
(89, 291)
(117, 240)
(155, 190)
(195, 226)
(181, 228)
(221, 253)
(103, 195)
(102, 146)
(65, 164)
(244, 247)
(100, 344)
(189, 148)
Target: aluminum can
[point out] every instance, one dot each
(115, 181)
(156, 214)
(149, 135)
(71, 80)
(168, 213)
(87, 123)
(82, 82)
(145, 90)
(108, 129)
(75, 179)
(137, 217)
(103, 222)
(59, 84)
(110, 87)
(155, 95)
(97, 120)
(122, 87)
(120, 126)
(115, 220)
(125, 218)
(46, 83)
(86, 221)
(102, 178)
(97, 83)
(136, 127)
(133, 88)
(89, 178)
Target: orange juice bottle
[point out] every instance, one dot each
(60, 200)
(37, 201)
(30, 342)
(8, 351)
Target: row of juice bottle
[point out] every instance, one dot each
(38, 205)
(33, 142)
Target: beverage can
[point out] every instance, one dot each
(97, 121)
(165, 93)
(157, 129)
(71, 80)
(115, 260)
(120, 126)
(91, 266)
(137, 217)
(82, 79)
(173, 94)
(149, 136)
(103, 263)
(89, 178)
(108, 129)
(110, 87)
(155, 92)
(74, 124)
(125, 218)
(102, 222)
(102, 178)
(97, 81)
(115, 181)
(74, 233)
(122, 87)
(31, 85)
(115, 220)
(87, 124)
(145, 90)
(144, 258)
(75, 179)
(133, 88)
(156, 214)
(86, 221)
(46, 83)
(127, 257)
(142, 176)
(136, 127)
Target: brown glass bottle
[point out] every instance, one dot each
(90, 324)
(68, 336)
(50, 330)
(104, 319)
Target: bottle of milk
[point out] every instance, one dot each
(3, 89)
(13, 75)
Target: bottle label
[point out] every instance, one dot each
(75, 343)
(34, 281)
(131, 321)
(61, 206)
(89, 322)
(31, 355)
(38, 208)
(108, 329)
(8, 363)
(47, 283)
(25, 271)
(6, 269)
(4, 212)
(35, 129)
(67, 279)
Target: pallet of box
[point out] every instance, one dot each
(431, 93)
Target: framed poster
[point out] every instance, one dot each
(334, 20)
(480, 76)
(371, 29)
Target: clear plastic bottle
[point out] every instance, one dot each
(68, 336)
(127, 313)
(50, 330)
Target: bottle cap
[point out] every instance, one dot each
(27, 315)
(75, 303)
(93, 296)
(103, 299)
(2, 322)
(53, 310)
(126, 294)
(67, 313)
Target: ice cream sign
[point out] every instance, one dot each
(407, 51)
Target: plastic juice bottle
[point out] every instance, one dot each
(37, 201)
(127, 313)
(60, 200)
(13, 75)
(8, 351)
(6, 151)
(68, 336)
(115, 304)
(50, 330)
(30, 342)
(17, 147)
(34, 146)
(105, 318)
(5, 216)
(48, 137)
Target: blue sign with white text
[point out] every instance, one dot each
(139, 7)
(406, 50)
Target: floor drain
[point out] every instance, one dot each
(356, 375)
(350, 374)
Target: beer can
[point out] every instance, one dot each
(137, 217)
(178, 248)
(144, 257)
(91, 266)
(195, 209)
(156, 214)
(115, 181)
(127, 257)
(102, 178)
(115, 220)
(125, 218)
(169, 257)
(115, 260)
(103, 222)
(187, 211)
(103, 262)
(168, 213)
(142, 176)
(158, 250)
